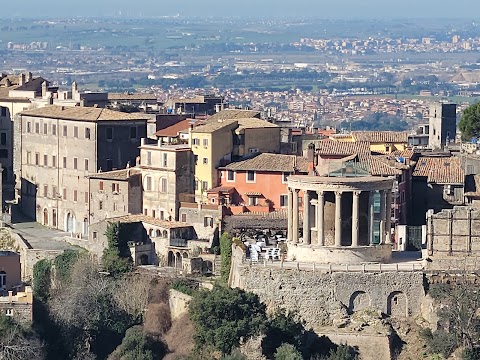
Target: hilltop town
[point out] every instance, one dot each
(350, 230)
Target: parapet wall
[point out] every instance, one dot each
(317, 296)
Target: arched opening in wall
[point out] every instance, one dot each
(358, 301)
(144, 259)
(165, 234)
(171, 259)
(178, 262)
(45, 217)
(3, 280)
(158, 233)
(85, 227)
(54, 218)
(185, 255)
(397, 304)
(70, 223)
(150, 233)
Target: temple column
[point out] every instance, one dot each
(295, 217)
(306, 217)
(320, 218)
(355, 219)
(338, 218)
(383, 203)
(388, 225)
(290, 215)
(370, 217)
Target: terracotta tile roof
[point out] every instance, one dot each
(136, 96)
(123, 174)
(148, 220)
(379, 166)
(472, 186)
(406, 154)
(252, 123)
(269, 162)
(175, 129)
(342, 148)
(227, 114)
(440, 170)
(381, 136)
(80, 113)
(212, 126)
(221, 189)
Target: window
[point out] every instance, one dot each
(252, 200)
(54, 129)
(64, 162)
(87, 133)
(115, 207)
(145, 212)
(45, 129)
(65, 131)
(64, 193)
(284, 177)
(37, 128)
(148, 183)
(283, 200)
(29, 127)
(153, 213)
(75, 131)
(184, 217)
(115, 188)
(45, 160)
(3, 153)
(162, 215)
(376, 202)
(205, 160)
(250, 176)
(45, 190)
(196, 142)
(54, 160)
(37, 159)
(101, 185)
(165, 160)
(86, 164)
(163, 185)
(75, 163)
(94, 235)
(149, 158)
(230, 175)
(29, 157)
(195, 159)
(100, 205)
(86, 197)
(195, 185)
(208, 221)
(133, 132)
(75, 193)
(54, 191)
(9, 312)
(205, 143)
(204, 185)
(109, 133)
(3, 138)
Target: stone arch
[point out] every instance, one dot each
(359, 300)
(178, 260)
(70, 222)
(171, 259)
(165, 234)
(45, 216)
(185, 255)
(150, 232)
(144, 259)
(397, 304)
(158, 233)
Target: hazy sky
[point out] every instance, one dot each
(275, 8)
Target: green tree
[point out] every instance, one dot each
(138, 345)
(469, 124)
(343, 352)
(287, 352)
(42, 279)
(116, 257)
(223, 316)
(226, 253)
(64, 263)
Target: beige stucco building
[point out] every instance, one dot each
(57, 148)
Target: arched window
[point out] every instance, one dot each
(158, 233)
(165, 234)
(150, 232)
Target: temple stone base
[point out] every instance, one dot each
(339, 255)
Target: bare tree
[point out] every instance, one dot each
(131, 294)
(15, 345)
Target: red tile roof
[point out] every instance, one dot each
(440, 170)
(175, 129)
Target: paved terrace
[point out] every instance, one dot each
(401, 261)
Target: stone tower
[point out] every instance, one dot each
(443, 124)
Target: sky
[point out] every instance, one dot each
(257, 8)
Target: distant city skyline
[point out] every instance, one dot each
(255, 8)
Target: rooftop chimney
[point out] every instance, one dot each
(29, 76)
(21, 79)
(74, 88)
(44, 89)
(8, 83)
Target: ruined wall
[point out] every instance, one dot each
(178, 303)
(316, 296)
(453, 239)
